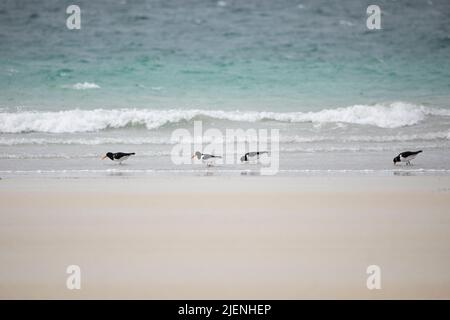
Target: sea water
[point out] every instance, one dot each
(344, 98)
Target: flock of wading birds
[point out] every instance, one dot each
(209, 159)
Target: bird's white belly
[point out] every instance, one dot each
(121, 159)
(209, 161)
(408, 158)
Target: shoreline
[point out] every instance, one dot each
(218, 172)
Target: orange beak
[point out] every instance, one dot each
(103, 158)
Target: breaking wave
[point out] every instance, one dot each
(428, 136)
(85, 86)
(385, 116)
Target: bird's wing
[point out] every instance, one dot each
(407, 154)
(119, 155)
(209, 156)
(256, 153)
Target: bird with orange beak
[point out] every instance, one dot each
(118, 156)
(209, 159)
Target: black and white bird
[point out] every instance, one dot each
(406, 156)
(209, 159)
(252, 156)
(118, 156)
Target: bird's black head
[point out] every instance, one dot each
(397, 159)
(109, 155)
(197, 154)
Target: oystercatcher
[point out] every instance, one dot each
(250, 156)
(118, 156)
(406, 156)
(209, 159)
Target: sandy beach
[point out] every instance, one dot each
(225, 237)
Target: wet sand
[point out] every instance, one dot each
(225, 237)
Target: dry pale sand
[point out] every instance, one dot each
(219, 237)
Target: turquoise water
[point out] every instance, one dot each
(270, 55)
(137, 70)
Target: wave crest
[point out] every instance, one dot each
(428, 136)
(385, 116)
(85, 86)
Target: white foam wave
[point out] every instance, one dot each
(85, 86)
(70, 121)
(83, 141)
(347, 149)
(428, 136)
(25, 156)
